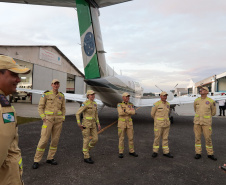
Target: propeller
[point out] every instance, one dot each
(170, 94)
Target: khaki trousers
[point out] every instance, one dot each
(207, 132)
(88, 143)
(121, 134)
(48, 128)
(10, 173)
(161, 132)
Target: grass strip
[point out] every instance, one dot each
(22, 120)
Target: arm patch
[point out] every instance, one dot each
(4, 102)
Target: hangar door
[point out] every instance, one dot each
(222, 84)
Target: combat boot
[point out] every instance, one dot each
(120, 155)
(134, 154)
(198, 156)
(52, 162)
(168, 155)
(212, 157)
(89, 160)
(35, 165)
(154, 154)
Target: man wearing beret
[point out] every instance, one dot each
(51, 109)
(11, 166)
(204, 108)
(125, 124)
(160, 114)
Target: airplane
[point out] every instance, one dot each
(98, 75)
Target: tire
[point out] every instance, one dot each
(171, 120)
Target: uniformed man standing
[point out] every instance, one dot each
(160, 114)
(10, 155)
(51, 109)
(88, 125)
(204, 108)
(125, 124)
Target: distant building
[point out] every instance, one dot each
(46, 63)
(215, 83)
(157, 94)
(181, 91)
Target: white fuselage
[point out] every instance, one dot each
(111, 88)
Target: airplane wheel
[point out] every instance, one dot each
(171, 119)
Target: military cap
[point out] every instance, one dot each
(55, 80)
(163, 93)
(10, 64)
(125, 94)
(90, 92)
(205, 88)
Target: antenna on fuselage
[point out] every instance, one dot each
(173, 90)
(158, 88)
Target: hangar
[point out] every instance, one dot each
(46, 63)
(215, 83)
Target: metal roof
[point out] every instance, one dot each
(65, 3)
(43, 46)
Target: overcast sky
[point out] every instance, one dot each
(162, 42)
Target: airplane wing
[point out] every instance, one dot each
(75, 97)
(175, 101)
(144, 102)
(184, 100)
(66, 3)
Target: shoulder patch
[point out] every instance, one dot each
(4, 102)
(211, 100)
(158, 102)
(47, 92)
(43, 95)
(87, 102)
(8, 117)
(119, 105)
(82, 105)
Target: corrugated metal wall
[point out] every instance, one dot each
(42, 78)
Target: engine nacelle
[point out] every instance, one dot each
(170, 96)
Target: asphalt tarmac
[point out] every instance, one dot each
(109, 169)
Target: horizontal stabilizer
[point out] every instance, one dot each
(68, 96)
(175, 101)
(66, 3)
